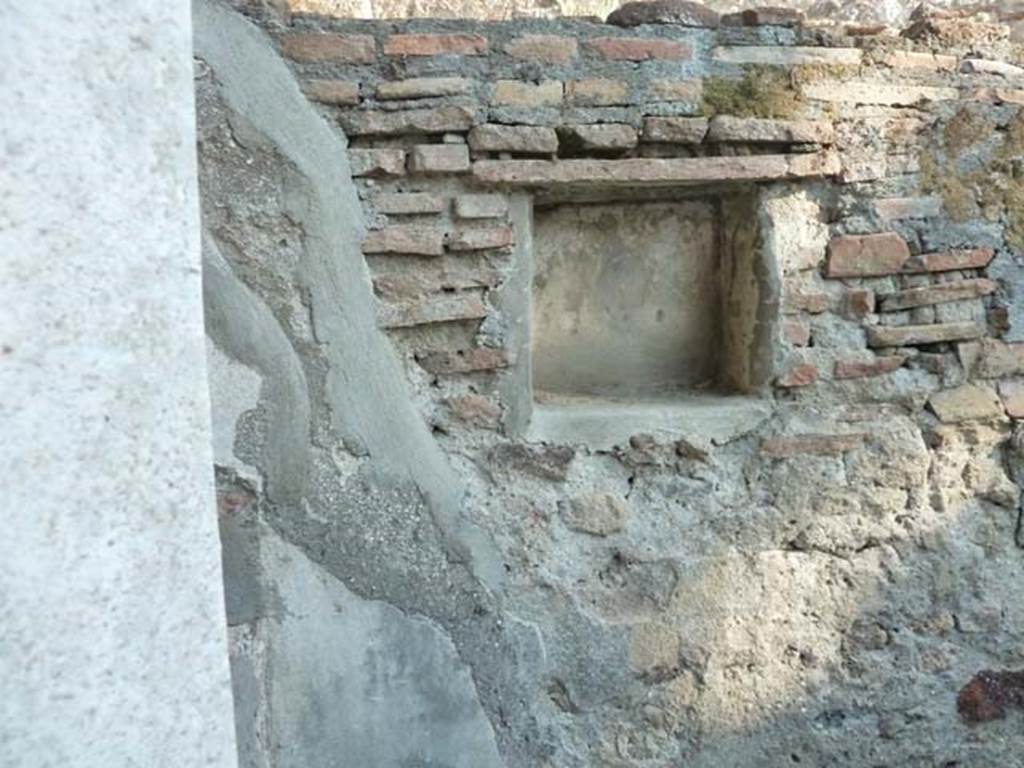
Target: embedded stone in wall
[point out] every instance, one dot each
(597, 92)
(423, 88)
(408, 121)
(550, 49)
(376, 162)
(739, 130)
(679, 12)
(913, 335)
(481, 206)
(411, 240)
(337, 92)
(408, 203)
(675, 130)
(787, 55)
(521, 94)
(326, 46)
(605, 137)
(970, 402)
(599, 514)
(435, 45)
(524, 139)
(439, 158)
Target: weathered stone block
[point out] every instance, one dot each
(599, 514)
(548, 462)
(339, 92)
(970, 402)
(517, 93)
(799, 301)
(423, 87)
(481, 206)
(796, 332)
(764, 17)
(376, 162)
(601, 138)
(410, 240)
(690, 91)
(867, 255)
(675, 130)
(786, 55)
(912, 335)
(480, 239)
(409, 284)
(434, 310)
(403, 121)
(445, 362)
(998, 95)
(639, 49)
(932, 62)
(327, 46)
(549, 49)
(525, 139)
(898, 208)
(725, 128)
(862, 369)
(1012, 394)
(678, 12)
(996, 359)
(403, 203)
(597, 92)
(837, 91)
(435, 45)
(936, 294)
(811, 445)
(989, 67)
(439, 158)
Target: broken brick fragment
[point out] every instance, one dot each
(988, 694)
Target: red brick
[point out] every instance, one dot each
(434, 45)
(413, 241)
(550, 49)
(859, 369)
(463, 360)
(475, 410)
(867, 255)
(639, 48)
(949, 261)
(480, 239)
(796, 332)
(811, 445)
(801, 375)
(858, 304)
(318, 46)
(415, 285)
(812, 303)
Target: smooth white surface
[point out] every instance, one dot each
(112, 634)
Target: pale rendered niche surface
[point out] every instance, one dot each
(625, 298)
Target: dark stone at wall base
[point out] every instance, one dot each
(988, 694)
(681, 12)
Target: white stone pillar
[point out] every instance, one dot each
(112, 635)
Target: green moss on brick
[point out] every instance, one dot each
(766, 92)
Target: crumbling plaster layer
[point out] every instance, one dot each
(113, 644)
(339, 452)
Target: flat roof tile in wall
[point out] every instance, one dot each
(329, 46)
(435, 45)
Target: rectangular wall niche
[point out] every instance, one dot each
(643, 300)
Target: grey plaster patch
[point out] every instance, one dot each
(333, 274)
(389, 689)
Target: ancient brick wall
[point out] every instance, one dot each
(803, 559)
